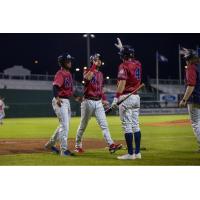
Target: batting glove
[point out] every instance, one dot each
(114, 103)
(119, 44)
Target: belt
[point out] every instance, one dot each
(64, 97)
(128, 92)
(93, 98)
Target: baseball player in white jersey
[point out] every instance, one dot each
(129, 79)
(94, 99)
(192, 93)
(2, 112)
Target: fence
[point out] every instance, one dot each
(166, 81)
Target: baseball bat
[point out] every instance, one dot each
(122, 100)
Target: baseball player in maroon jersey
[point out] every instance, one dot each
(94, 99)
(129, 78)
(62, 90)
(191, 97)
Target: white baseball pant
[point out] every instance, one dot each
(129, 113)
(194, 112)
(88, 108)
(64, 115)
(2, 115)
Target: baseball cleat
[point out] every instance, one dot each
(138, 156)
(66, 153)
(79, 150)
(127, 157)
(114, 147)
(53, 149)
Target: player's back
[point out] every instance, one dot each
(132, 75)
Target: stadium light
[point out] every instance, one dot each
(84, 68)
(107, 77)
(77, 69)
(36, 61)
(88, 36)
(102, 63)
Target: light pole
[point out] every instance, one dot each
(88, 36)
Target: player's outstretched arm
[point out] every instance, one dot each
(89, 74)
(119, 44)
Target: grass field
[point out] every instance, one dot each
(165, 145)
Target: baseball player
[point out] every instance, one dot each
(129, 78)
(62, 90)
(94, 99)
(191, 97)
(2, 113)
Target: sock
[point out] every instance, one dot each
(129, 142)
(137, 137)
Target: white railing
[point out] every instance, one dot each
(37, 77)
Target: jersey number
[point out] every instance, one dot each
(138, 74)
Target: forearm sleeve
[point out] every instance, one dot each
(55, 90)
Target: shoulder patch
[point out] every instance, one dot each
(121, 71)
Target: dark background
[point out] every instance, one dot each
(24, 49)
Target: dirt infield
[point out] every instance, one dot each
(17, 146)
(184, 122)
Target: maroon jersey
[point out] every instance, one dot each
(191, 75)
(94, 87)
(130, 71)
(193, 79)
(63, 79)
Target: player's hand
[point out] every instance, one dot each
(105, 104)
(59, 101)
(79, 99)
(182, 103)
(119, 44)
(114, 103)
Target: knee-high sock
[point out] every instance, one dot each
(129, 142)
(137, 137)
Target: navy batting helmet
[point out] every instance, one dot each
(94, 57)
(64, 58)
(188, 54)
(127, 52)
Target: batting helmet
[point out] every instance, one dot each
(64, 58)
(127, 52)
(188, 54)
(94, 57)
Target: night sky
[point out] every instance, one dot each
(23, 49)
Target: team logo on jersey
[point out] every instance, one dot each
(93, 80)
(68, 82)
(121, 72)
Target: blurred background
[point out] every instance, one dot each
(28, 63)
